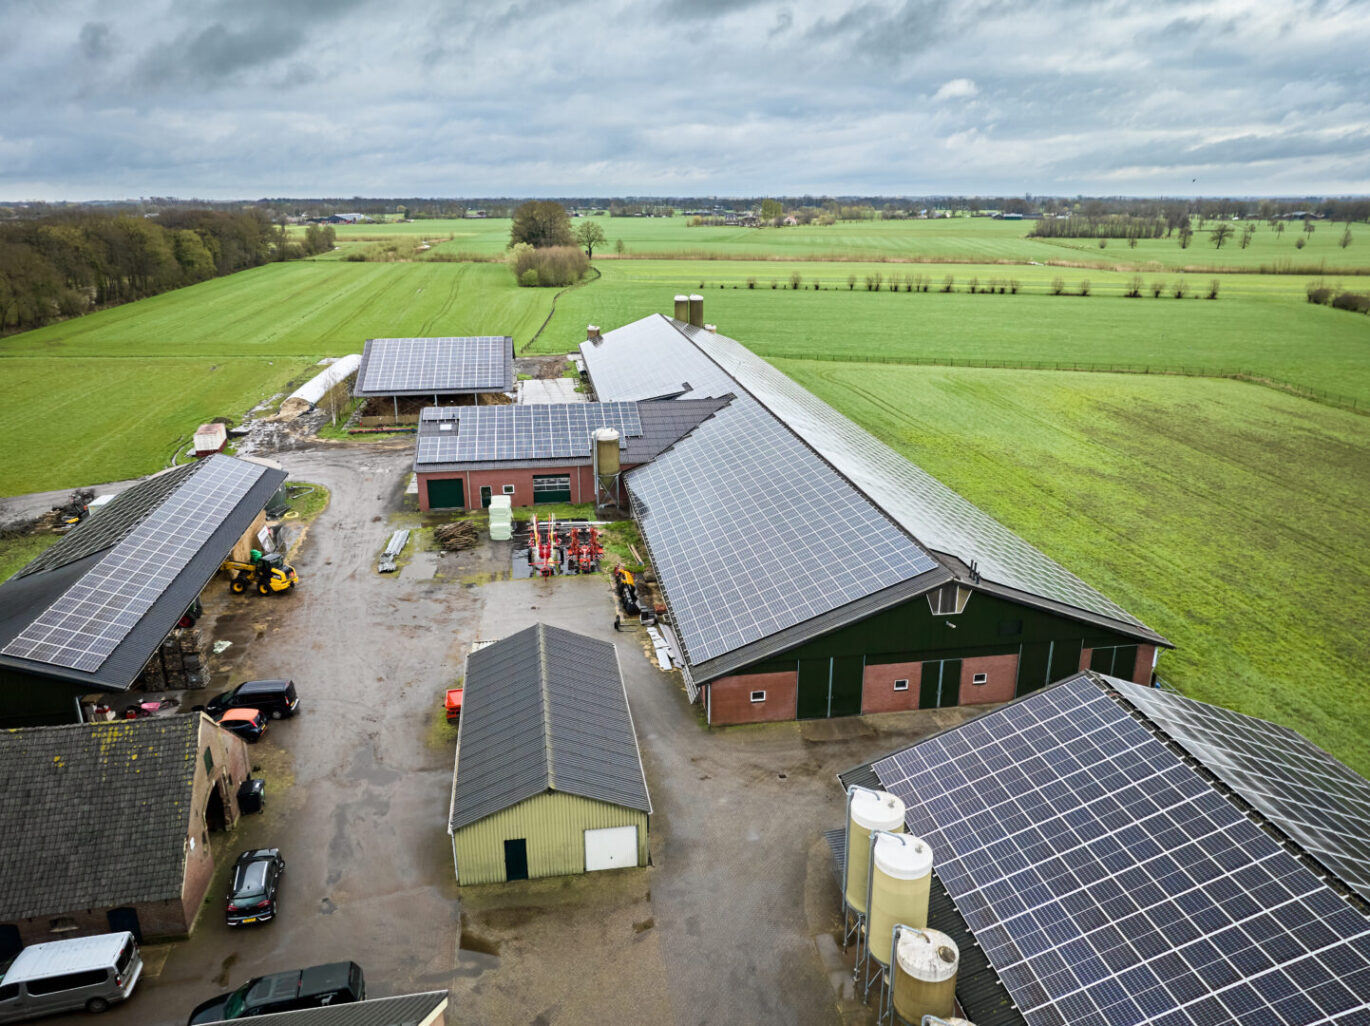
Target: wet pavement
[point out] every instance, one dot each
(729, 924)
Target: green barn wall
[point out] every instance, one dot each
(554, 825)
(30, 701)
(911, 633)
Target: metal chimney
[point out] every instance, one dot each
(682, 308)
(592, 333)
(697, 311)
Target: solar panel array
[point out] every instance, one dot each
(1110, 885)
(95, 614)
(479, 363)
(539, 431)
(750, 532)
(929, 510)
(649, 359)
(1320, 803)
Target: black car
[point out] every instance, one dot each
(252, 892)
(275, 698)
(248, 724)
(333, 984)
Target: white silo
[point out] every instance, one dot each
(925, 964)
(900, 878)
(866, 811)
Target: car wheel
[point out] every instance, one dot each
(264, 589)
(237, 587)
(275, 714)
(96, 1005)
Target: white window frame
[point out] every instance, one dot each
(758, 696)
(958, 594)
(508, 490)
(979, 678)
(902, 684)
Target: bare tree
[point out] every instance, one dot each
(1220, 234)
(1346, 237)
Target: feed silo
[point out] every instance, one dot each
(866, 811)
(901, 873)
(925, 964)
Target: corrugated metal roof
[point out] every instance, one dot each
(545, 710)
(95, 815)
(404, 1010)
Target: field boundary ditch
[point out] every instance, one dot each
(553, 312)
(1345, 402)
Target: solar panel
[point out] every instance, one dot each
(1109, 884)
(750, 532)
(88, 621)
(543, 431)
(1320, 803)
(396, 366)
(650, 359)
(934, 514)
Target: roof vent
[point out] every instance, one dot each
(592, 333)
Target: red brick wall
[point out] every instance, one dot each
(1002, 671)
(155, 918)
(730, 701)
(1141, 673)
(1086, 654)
(877, 687)
(582, 484)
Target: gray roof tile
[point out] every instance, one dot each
(404, 1010)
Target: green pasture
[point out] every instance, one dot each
(1209, 509)
(961, 240)
(1258, 323)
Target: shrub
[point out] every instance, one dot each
(529, 278)
(751, 283)
(851, 282)
(1058, 285)
(973, 285)
(1102, 242)
(1213, 288)
(948, 283)
(1013, 286)
(1134, 288)
(1178, 290)
(1157, 287)
(796, 279)
(1084, 288)
(1299, 243)
(775, 284)
(556, 266)
(1358, 302)
(1319, 294)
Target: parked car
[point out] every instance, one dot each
(252, 890)
(333, 984)
(248, 724)
(88, 973)
(275, 698)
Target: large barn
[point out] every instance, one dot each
(812, 571)
(89, 613)
(1106, 854)
(401, 375)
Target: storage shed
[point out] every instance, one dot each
(548, 777)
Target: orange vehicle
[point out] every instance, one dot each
(248, 724)
(454, 696)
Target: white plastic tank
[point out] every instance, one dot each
(899, 889)
(869, 810)
(925, 975)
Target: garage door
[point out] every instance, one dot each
(610, 848)
(446, 493)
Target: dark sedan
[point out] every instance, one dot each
(248, 724)
(252, 892)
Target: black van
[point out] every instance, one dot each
(333, 984)
(275, 698)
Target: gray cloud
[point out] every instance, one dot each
(241, 98)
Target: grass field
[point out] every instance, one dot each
(959, 240)
(1209, 509)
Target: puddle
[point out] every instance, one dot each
(475, 943)
(422, 566)
(222, 979)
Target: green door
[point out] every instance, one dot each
(446, 493)
(941, 686)
(814, 680)
(1034, 662)
(1065, 659)
(848, 674)
(1118, 661)
(485, 494)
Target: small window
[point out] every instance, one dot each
(209, 761)
(901, 685)
(948, 600)
(446, 426)
(1008, 628)
(980, 678)
(758, 696)
(63, 924)
(9, 992)
(508, 489)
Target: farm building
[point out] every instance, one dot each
(106, 826)
(1107, 853)
(399, 376)
(548, 778)
(542, 452)
(809, 570)
(93, 610)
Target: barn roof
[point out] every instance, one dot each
(545, 710)
(444, 365)
(779, 471)
(404, 1010)
(92, 609)
(95, 815)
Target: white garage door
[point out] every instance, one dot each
(610, 848)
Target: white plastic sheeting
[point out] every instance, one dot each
(307, 396)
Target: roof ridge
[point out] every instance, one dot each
(544, 676)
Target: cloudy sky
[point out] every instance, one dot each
(248, 98)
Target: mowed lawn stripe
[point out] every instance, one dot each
(1227, 516)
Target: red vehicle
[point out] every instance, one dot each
(248, 724)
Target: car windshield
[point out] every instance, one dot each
(237, 1001)
(251, 879)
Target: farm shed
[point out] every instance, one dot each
(548, 778)
(106, 826)
(91, 612)
(1180, 863)
(538, 453)
(405, 1010)
(401, 375)
(811, 571)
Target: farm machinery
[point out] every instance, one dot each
(268, 573)
(578, 551)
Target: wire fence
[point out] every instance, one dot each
(1347, 402)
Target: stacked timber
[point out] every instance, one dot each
(178, 664)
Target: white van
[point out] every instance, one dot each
(68, 975)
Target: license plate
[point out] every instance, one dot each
(251, 919)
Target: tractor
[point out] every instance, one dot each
(268, 573)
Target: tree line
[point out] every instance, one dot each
(67, 264)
